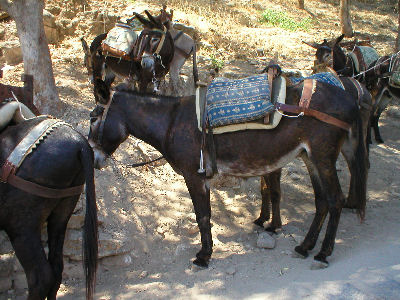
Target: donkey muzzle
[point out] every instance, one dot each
(148, 63)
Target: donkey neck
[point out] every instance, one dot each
(148, 117)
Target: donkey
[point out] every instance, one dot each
(150, 60)
(61, 162)
(184, 47)
(169, 124)
(375, 77)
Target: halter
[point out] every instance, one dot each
(141, 43)
(106, 108)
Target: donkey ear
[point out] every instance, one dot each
(171, 14)
(312, 45)
(339, 39)
(102, 91)
(152, 20)
(143, 20)
(85, 46)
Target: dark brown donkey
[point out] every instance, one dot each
(376, 76)
(60, 164)
(150, 59)
(169, 124)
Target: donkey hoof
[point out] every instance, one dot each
(300, 252)
(201, 262)
(259, 222)
(271, 229)
(319, 262)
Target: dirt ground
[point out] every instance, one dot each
(150, 210)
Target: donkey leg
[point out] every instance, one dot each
(270, 193)
(321, 210)
(335, 201)
(348, 152)
(200, 193)
(30, 253)
(375, 124)
(265, 202)
(56, 227)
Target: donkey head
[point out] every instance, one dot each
(155, 46)
(329, 53)
(107, 127)
(93, 59)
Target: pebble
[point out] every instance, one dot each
(264, 240)
(230, 271)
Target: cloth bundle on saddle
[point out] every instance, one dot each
(121, 39)
(363, 57)
(247, 103)
(394, 69)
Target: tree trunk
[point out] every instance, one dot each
(397, 46)
(28, 16)
(301, 4)
(345, 20)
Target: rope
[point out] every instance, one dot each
(299, 115)
(390, 58)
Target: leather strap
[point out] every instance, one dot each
(313, 113)
(308, 91)
(42, 191)
(359, 90)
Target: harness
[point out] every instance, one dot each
(21, 151)
(142, 41)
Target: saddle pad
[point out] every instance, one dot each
(369, 54)
(238, 101)
(121, 38)
(326, 77)
(278, 96)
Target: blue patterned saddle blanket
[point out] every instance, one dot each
(326, 77)
(238, 101)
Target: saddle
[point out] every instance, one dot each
(14, 111)
(120, 41)
(363, 57)
(233, 105)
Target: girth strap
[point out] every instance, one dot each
(313, 113)
(42, 191)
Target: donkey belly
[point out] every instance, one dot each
(257, 164)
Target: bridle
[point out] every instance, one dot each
(143, 40)
(99, 136)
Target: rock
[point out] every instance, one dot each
(6, 264)
(230, 271)
(5, 245)
(143, 274)
(5, 284)
(264, 240)
(2, 33)
(73, 270)
(185, 28)
(76, 222)
(108, 245)
(117, 261)
(12, 53)
(19, 281)
(50, 27)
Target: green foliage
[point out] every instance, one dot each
(217, 63)
(281, 19)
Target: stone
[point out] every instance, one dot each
(5, 245)
(76, 222)
(5, 284)
(143, 274)
(50, 27)
(73, 270)
(266, 241)
(185, 28)
(117, 260)
(6, 264)
(230, 271)
(108, 245)
(19, 281)
(12, 53)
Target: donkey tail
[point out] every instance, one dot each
(90, 234)
(361, 168)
